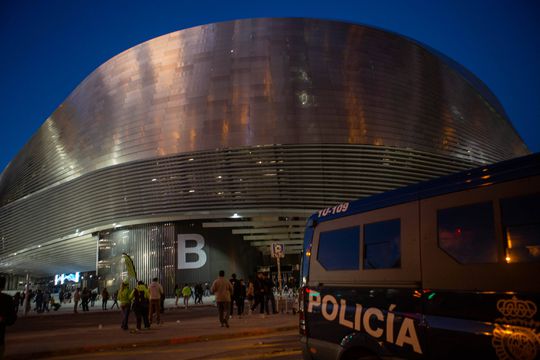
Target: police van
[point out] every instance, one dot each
(445, 269)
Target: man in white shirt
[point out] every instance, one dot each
(156, 290)
(223, 289)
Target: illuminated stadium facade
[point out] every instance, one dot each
(195, 150)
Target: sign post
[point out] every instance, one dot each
(277, 250)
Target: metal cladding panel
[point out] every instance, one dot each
(282, 178)
(151, 247)
(277, 115)
(262, 81)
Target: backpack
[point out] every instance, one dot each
(139, 298)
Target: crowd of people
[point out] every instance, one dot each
(147, 301)
(41, 301)
(259, 293)
(188, 292)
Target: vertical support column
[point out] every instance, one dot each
(26, 303)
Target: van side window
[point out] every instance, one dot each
(467, 233)
(340, 249)
(382, 245)
(521, 224)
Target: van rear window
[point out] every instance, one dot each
(467, 233)
(340, 249)
(521, 223)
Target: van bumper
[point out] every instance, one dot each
(313, 349)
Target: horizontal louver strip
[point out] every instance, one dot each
(302, 177)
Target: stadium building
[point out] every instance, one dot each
(194, 151)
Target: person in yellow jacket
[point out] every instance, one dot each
(141, 302)
(124, 297)
(186, 293)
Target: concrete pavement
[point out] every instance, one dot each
(98, 330)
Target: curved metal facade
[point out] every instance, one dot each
(276, 115)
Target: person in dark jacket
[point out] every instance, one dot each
(141, 302)
(199, 293)
(269, 294)
(85, 298)
(115, 299)
(39, 301)
(17, 300)
(104, 299)
(259, 292)
(162, 303)
(93, 297)
(241, 296)
(7, 315)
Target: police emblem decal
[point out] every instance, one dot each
(515, 336)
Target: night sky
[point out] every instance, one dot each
(48, 47)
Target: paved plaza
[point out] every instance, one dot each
(64, 333)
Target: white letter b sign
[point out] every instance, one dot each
(183, 251)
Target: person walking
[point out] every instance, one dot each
(177, 294)
(156, 291)
(186, 293)
(258, 286)
(76, 299)
(125, 297)
(222, 289)
(198, 293)
(93, 297)
(46, 300)
(234, 283)
(141, 300)
(115, 300)
(8, 316)
(250, 294)
(85, 298)
(39, 301)
(17, 300)
(269, 294)
(26, 300)
(240, 297)
(162, 303)
(104, 299)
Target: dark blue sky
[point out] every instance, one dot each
(47, 47)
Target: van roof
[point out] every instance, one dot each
(500, 172)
